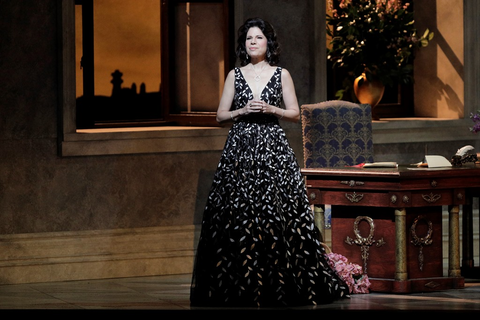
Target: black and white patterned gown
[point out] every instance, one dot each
(258, 244)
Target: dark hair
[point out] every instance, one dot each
(273, 47)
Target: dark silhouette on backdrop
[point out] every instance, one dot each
(125, 107)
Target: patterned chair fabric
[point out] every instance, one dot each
(336, 133)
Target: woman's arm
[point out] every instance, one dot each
(223, 112)
(292, 111)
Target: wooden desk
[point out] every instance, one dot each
(389, 221)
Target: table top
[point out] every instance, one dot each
(402, 171)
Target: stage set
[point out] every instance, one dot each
(389, 221)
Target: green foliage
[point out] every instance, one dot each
(377, 37)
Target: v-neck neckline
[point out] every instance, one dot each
(264, 87)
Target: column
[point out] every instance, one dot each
(454, 242)
(400, 245)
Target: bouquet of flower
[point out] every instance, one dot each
(377, 37)
(476, 122)
(350, 273)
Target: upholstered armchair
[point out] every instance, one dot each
(335, 134)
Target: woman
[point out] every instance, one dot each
(258, 245)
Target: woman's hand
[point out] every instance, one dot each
(258, 106)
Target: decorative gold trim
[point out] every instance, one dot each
(393, 199)
(421, 241)
(354, 197)
(431, 198)
(364, 243)
(352, 183)
(380, 243)
(432, 284)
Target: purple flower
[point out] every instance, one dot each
(476, 128)
(476, 122)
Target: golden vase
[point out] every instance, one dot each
(370, 92)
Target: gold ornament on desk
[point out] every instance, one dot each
(364, 243)
(421, 241)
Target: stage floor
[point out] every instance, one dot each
(172, 293)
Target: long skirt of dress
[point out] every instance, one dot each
(258, 244)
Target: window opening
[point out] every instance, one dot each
(149, 62)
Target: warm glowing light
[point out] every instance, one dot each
(126, 38)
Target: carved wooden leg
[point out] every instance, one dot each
(400, 245)
(454, 243)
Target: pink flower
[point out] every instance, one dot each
(350, 273)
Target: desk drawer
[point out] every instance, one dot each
(400, 199)
(441, 183)
(431, 198)
(357, 183)
(426, 198)
(349, 198)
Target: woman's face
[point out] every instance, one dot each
(256, 43)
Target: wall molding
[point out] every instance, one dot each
(94, 142)
(98, 254)
(409, 130)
